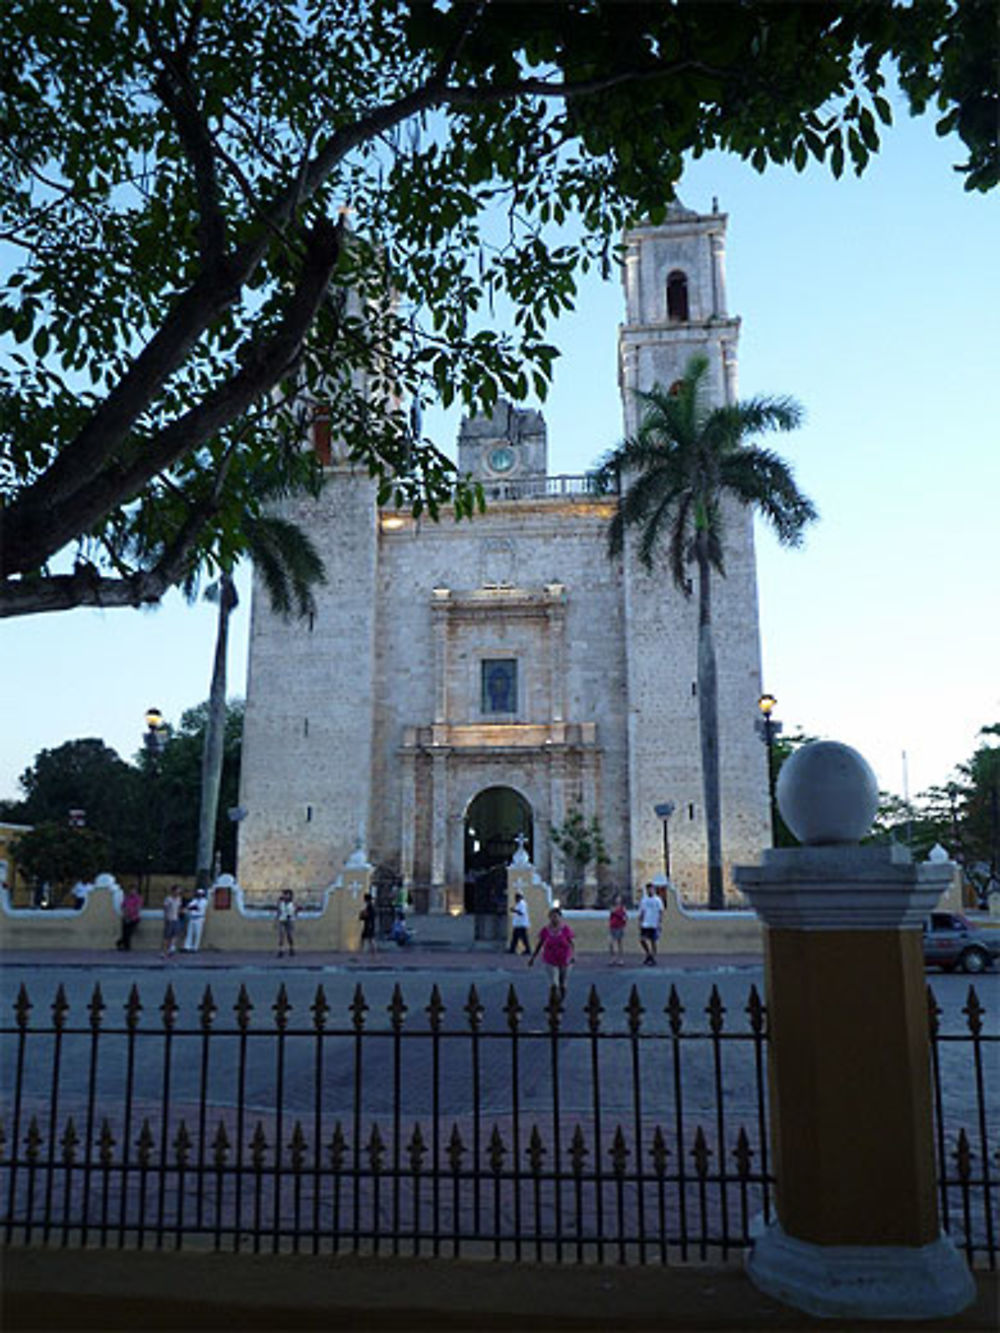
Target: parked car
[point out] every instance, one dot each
(951, 941)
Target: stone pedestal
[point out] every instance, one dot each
(858, 1233)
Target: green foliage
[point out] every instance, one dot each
(181, 276)
(581, 841)
(58, 855)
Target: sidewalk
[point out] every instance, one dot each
(106, 1290)
(390, 958)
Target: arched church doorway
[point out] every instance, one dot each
(493, 820)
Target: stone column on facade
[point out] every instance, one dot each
(408, 812)
(718, 275)
(557, 651)
(857, 1234)
(439, 828)
(557, 813)
(588, 765)
(439, 611)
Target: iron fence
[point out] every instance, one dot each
(569, 1135)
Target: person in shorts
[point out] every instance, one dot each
(285, 914)
(171, 920)
(650, 921)
(555, 943)
(617, 921)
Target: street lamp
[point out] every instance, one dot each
(154, 739)
(769, 727)
(663, 811)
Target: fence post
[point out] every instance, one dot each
(857, 1233)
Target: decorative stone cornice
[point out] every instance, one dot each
(842, 888)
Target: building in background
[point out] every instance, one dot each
(460, 684)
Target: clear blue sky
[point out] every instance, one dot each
(877, 304)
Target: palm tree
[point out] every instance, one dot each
(676, 473)
(290, 567)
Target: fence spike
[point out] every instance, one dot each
(963, 1156)
(33, 1140)
(297, 1147)
(375, 1150)
(674, 1011)
(659, 1152)
(319, 1009)
(593, 1009)
(756, 1012)
(243, 1008)
(258, 1147)
(397, 1009)
(701, 1153)
(535, 1151)
(619, 1153)
(474, 1009)
(145, 1144)
(69, 1142)
(634, 1010)
(716, 1011)
(417, 1150)
(337, 1147)
(281, 1008)
(220, 1145)
(554, 1009)
(169, 1008)
(106, 1144)
(578, 1152)
(182, 1144)
(60, 1008)
(133, 1008)
(456, 1149)
(435, 1009)
(22, 1008)
(207, 1010)
(743, 1154)
(496, 1151)
(358, 1008)
(974, 1011)
(513, 1009)
(96, 1007)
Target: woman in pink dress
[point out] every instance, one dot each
(555, 941)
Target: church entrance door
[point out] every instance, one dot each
(492, 822)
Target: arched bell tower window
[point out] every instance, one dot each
(677, 297)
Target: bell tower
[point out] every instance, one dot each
(675, 307)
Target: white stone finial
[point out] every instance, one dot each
(520, 857)
(938, 855)
(827, 794)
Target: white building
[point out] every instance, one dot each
(461, 683)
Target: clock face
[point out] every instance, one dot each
(501, 459)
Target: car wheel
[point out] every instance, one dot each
(974, 960)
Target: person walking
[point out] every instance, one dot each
(617, 921)
(285, 914)
(555, 942)
(195, 912)
(171, 920)
(131, 915)
(650, 921)
(520, 925)
(367, 918)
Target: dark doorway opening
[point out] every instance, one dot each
(492, 822)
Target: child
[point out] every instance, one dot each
(617, 921)
(556, 944)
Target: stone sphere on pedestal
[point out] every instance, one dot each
(827, 794)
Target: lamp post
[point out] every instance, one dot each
(769, 727)
(663, 811)
(154, 740)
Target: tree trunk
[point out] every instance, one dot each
(215, 735)
(708, 726)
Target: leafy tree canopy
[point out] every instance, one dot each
(217, 209)
(58, 855)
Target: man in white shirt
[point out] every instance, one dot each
(520, 925)
(650, 920)
(195, 913)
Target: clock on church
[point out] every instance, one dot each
(501, 459)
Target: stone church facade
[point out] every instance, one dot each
(460, 684)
